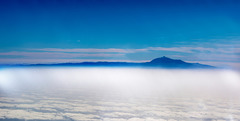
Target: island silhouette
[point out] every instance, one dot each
(162, 62)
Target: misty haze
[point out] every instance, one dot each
(123, 94)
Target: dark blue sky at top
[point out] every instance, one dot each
(117, 23)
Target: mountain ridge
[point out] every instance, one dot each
(161, 62)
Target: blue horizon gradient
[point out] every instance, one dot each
(119, 24)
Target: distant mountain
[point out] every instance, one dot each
(166, 62)
(162, 62)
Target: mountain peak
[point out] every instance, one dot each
(164, 59)
(174, 63)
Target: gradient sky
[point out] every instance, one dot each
(53, 31)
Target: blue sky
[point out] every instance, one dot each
(53, 31)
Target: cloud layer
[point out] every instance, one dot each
(111, 94)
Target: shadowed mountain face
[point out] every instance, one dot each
(162, 62)
(166, 62)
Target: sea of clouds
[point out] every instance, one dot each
(122, 94)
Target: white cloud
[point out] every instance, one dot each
(45, 61)
(91, 50)
(121, 94)
(56, 54)
(117, 50)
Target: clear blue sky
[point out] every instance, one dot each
(52, 31)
